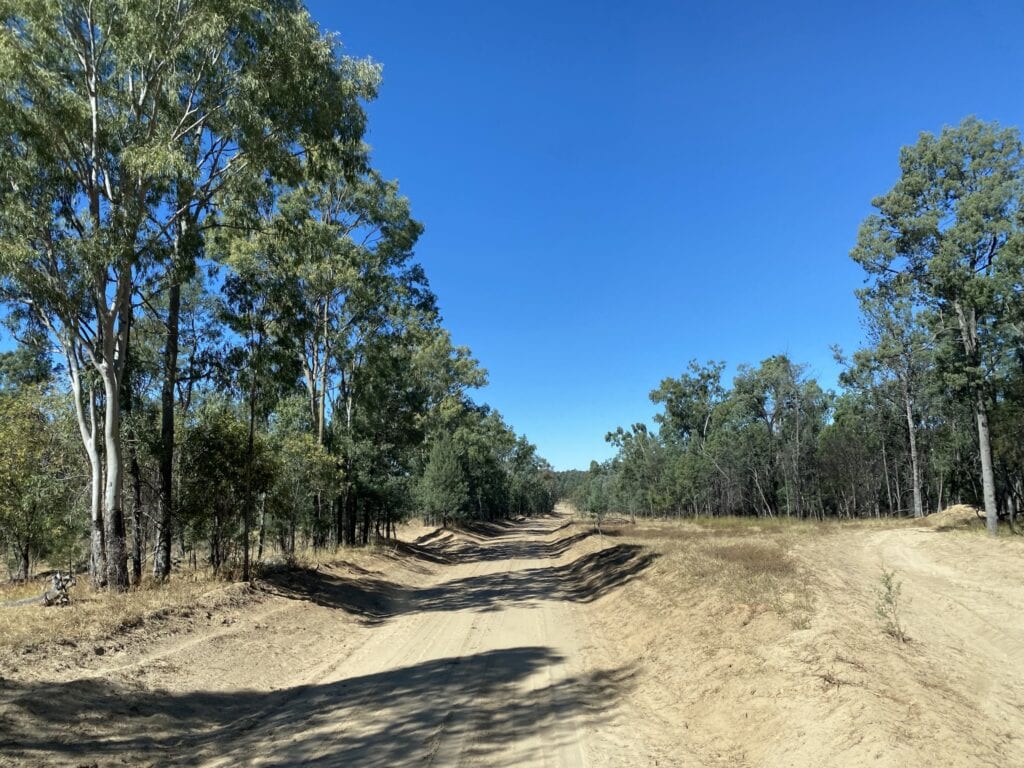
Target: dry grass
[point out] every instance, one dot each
(741, 561)
(752, 560)
(19, 590)
(727, 526)
(759, 637)
(97, 615)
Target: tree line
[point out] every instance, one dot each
(930, 410)
(224, 343)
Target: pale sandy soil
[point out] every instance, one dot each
(462, 651)
(797, 670)
(538, 643)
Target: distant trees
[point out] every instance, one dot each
(950, 231)
(931, 409)
(443, 490)
(192, 241)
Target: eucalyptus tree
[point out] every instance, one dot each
(348, 237)
(899, 351)
(689, 402)
(337, 243)
(221, 469)
(851, 457)
(266, 89)
(82, 164)
(784, 410)
(121, 123)
(951, 228)
(685, 425)
(640, 457)
(259, 363)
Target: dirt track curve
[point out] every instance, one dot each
(477, 662)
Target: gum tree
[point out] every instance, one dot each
(119, 126)
(951, 229)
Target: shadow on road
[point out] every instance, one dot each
(583, 580)
(374, 600)
(385, 719)
(370, 598)
(475, 548)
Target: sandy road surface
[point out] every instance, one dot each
(535, 643)
(479, 663)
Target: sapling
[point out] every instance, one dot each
(889, 605)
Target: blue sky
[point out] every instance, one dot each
(612, 189)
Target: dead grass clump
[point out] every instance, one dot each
(743, 526)
(752, 559)
(956, 517)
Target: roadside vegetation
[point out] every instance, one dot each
(225, 345)
(930, 409)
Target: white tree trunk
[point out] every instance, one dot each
(914, 464)
(969, 336)
(988, 479)
(113, 513)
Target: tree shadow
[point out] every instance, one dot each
(462, 550)
(581, 581)
(373, 599)
(370, 598)
(474, 705)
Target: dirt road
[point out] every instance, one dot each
(537, 643)
(478, 662)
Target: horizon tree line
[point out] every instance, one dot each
(931, 408)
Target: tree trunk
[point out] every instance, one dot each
(85, 416)
(914, 465)
(24, 564)
(97, 543)
(246, 573)
(339, 520)
(113, 514)
(365, 532)
(885, 473)
(250, 497)
(967, 318)
(988, 480)
(135, 472)
(263, 529)
(349, 532)
(139, 522)
(162, 557)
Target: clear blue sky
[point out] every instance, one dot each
(611, 189)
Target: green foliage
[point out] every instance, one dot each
(949, 237)
(889, 605)
(302, 471)
(930, 409)
(443, 490)
(217, 478)
(38, 473)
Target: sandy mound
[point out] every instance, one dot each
(756, 651)
(957, 516)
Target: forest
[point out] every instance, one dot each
(256, 507)
(930, 410)
(223, 343)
